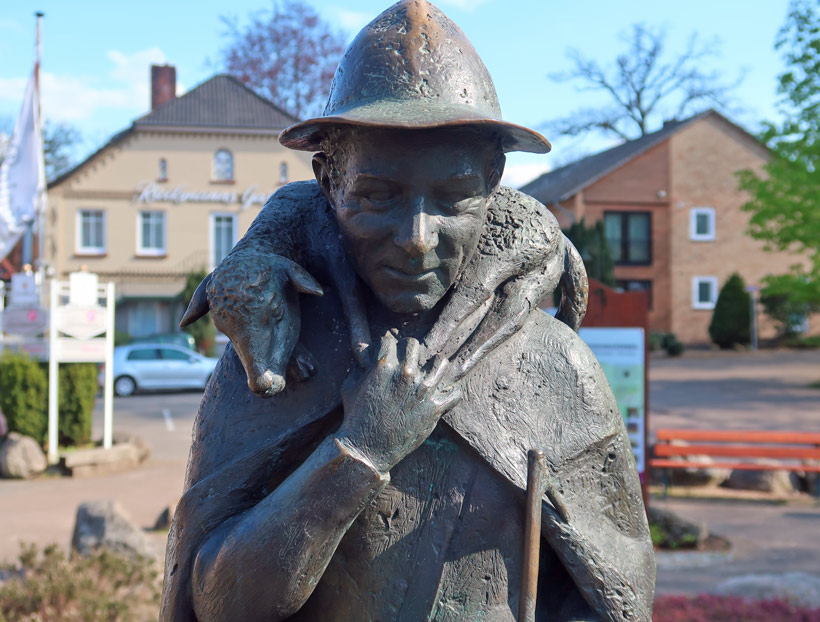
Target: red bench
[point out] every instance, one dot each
(736, 449)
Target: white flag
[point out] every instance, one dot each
(22, 174)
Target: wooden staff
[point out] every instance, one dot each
(536, 486)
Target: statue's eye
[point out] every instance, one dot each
(379, 196)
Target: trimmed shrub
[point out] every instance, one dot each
(731, 321)
(24, 395)
(202, 330)
(78, 390)
(671, 344)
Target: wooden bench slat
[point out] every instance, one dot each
(739, 436)
(736, 451)
(747, 466)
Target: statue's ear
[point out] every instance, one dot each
(496, 170)
(302, 281)
(321, 170)
(198, 307)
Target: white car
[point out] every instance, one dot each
(148, 366)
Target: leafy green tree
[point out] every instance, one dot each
(785, 199)
(731, 319)
(593, 247)
(60, 142)
(202, 330)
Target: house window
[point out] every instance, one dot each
(283, 173)
(223, 165)
(91, 232)
(629, 237)
(151, 233)
(162, 172)
(704, 292)
(223, 236)
(636, 285)
(702, 224)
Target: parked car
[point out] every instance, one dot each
(147, 366)
(178, 339)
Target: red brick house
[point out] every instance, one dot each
(672, 215)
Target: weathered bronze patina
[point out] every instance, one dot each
(388, 313)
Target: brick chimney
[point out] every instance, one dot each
(163, 84)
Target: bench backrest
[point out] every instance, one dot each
(739, 444)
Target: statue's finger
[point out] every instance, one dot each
(388, 354)
(411, 356)
(440, 367)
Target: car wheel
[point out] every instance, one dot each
(124, 386)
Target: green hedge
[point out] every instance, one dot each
(24, 395)
(24, 398)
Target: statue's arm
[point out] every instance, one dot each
(265, 563)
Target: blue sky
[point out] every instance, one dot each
(96, 54)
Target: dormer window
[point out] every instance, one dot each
(162, 170)
(223, 166)
(283, 173)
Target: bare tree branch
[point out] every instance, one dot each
(287, 54)
(643, 86)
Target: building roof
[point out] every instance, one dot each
(221, 101)
(563, 183)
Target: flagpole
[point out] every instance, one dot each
(42, 195)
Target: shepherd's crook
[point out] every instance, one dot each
(536, 486)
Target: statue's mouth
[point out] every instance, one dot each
(411, 276)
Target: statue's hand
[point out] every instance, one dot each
(253, 299)
(396, 405)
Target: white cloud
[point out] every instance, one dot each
(464, 5)
(76, 98)
(516, 175)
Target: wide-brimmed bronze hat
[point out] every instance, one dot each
(412, 68)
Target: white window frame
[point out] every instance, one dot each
(709, 236)
(212, 235)
(90, 250)
(143, 250)
(713, 283)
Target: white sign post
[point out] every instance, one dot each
(80, 320)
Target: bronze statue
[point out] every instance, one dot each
(336, 477)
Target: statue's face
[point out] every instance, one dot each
(411, 206)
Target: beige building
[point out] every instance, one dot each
(170, 194)
(672, 214)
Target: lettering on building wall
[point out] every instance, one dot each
(150, 192)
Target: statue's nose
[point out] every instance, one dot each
(418, 234)
(266, 384)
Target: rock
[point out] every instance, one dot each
(143, 448)
(698, 476)
(776, 482)
(679, 532)
(21, 457)
(165, 517)
(99, 461)
(800, 588)
(105, 524)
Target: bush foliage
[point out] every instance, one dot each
(24, 395)
(78, 390)
(104, 587)
(731, 321)
(24, 398)
(710, 608)
(202, 330)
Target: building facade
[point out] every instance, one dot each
(672, 214)
(170, 195)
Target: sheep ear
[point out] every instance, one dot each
(302, 281)
(198, 307)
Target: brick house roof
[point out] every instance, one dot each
(221, 101)
(564, 182)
